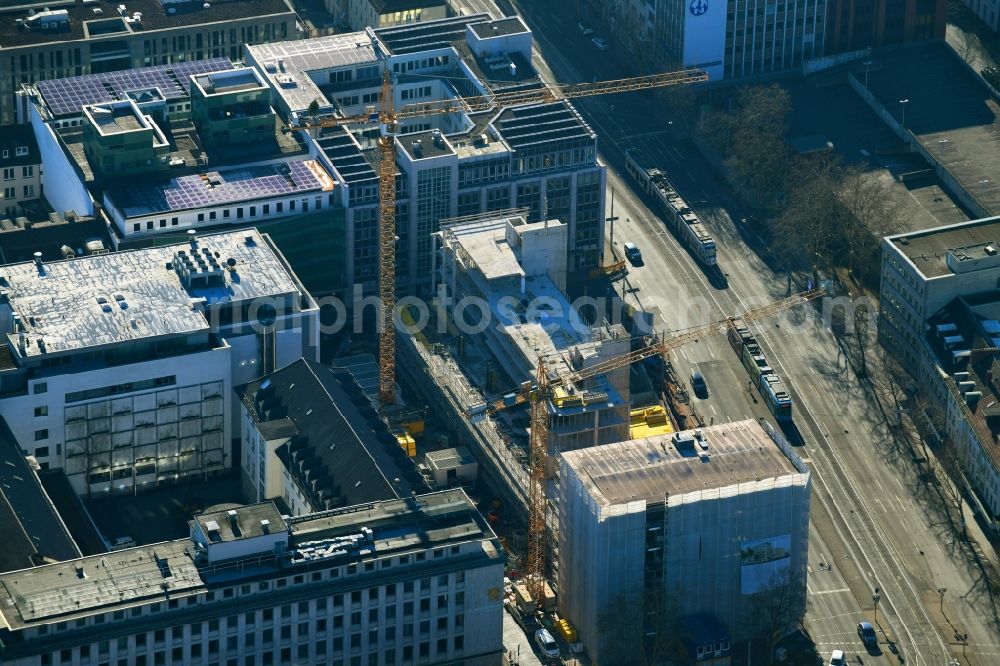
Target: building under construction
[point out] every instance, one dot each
(713, 521)
(517, 271)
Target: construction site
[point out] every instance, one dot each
(522, 379)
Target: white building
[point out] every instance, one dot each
(515, 269)
(699, 522)
(540, 156)
(922, 271)
(290, 417)
(119, 367)
(938, 304)
(390, 583)
(237, 195)
(730, 40)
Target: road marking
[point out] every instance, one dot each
(837, 591)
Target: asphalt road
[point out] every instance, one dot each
(873, 524)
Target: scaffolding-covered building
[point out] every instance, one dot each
(712, 521)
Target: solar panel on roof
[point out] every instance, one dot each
(67, 96)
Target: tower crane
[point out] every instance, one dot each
(387, 118)
(543, 392)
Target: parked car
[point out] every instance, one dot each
(585, 28)
(838, 659)
(698, 384)
(546, 643)
(600, 43)
(123, 542)
(866, 632)
(633, 254)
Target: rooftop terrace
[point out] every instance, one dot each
(735, 454)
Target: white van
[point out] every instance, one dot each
(545, 643)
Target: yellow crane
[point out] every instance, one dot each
(387, 118)
(540, 395)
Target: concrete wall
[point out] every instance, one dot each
(71, 193)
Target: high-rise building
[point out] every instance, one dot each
(119, 368)
(56, 40)
(412, 581)
(853, 25)
(729, 40)
(711, 522)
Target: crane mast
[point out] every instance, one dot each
(387, 244)
(539, 400)
(388, 120)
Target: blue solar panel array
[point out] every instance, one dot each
(217, 188)
(68, 96)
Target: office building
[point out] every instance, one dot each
(923, 271)
(200, 142)
(987, 10)
(853, 25)
(119, 368)
(408, 581)
(704, 522)
(539, 156)
(939, 306)
(20, 170)
(382, 13)
(310, 437)
(732, 40)
(63, 39)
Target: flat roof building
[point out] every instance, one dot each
(118, 367)
(63, 39)
(538, 156)
(699, 522)
(252, 584)
(923, 271)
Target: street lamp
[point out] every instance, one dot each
(867, 64)
(902, 120)
(875, 599)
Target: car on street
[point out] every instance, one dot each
(698, 384)
(600, 43)
(546, 643)
(838, 659)
(633, 254)
(585, 28)
(866, 632)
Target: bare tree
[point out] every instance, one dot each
(873, 209)
(807, 230)
(757, 154)
(778, 608)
